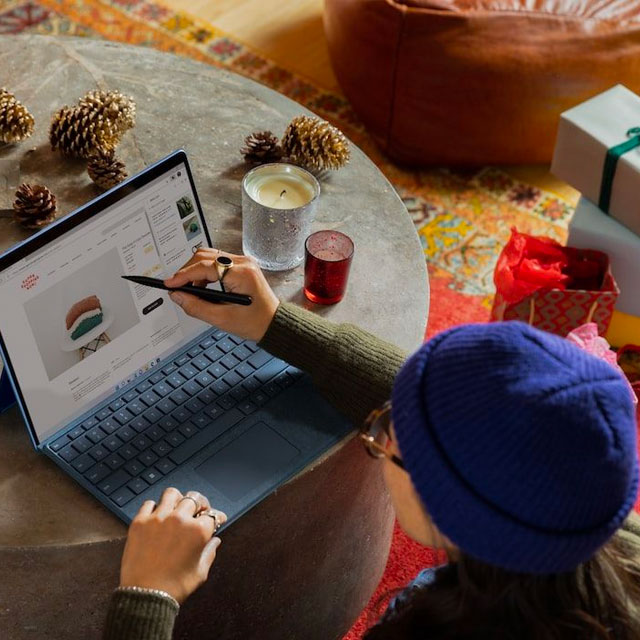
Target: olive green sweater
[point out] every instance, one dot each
(355, 371)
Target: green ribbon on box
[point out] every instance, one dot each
(610, 164)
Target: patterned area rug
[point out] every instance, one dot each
(463, 218)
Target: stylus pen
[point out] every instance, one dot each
(210, 295)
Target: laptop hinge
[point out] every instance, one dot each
(7, 397)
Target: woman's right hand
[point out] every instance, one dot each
(249, 322)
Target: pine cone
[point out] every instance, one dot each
(261, 147)
(96, 124)
(35, 206)
(16, 123)
(315, 144)
(106, 170)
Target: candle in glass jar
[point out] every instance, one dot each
(281, 192)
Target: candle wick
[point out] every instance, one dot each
(283, 192)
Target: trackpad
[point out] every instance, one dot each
(258, 455)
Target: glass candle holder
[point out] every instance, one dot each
(327, 264)
(278, 206)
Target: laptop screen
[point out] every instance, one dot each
(73, 329)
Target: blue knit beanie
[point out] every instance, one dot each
(521, 446)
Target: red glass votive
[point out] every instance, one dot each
(326, 269)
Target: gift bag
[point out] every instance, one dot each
(551, 287)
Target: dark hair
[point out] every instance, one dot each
(471, 600)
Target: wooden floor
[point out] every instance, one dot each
(288, 32)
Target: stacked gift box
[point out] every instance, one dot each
(598, 153)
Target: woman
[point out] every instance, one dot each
(509, 448)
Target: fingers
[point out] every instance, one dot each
(192, 503)
(208, 556)
(202, 270)
(168, 502)
(146, 509)
(195, 307)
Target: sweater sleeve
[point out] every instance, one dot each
(351, 367)
(139, 616)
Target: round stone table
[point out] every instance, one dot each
(303, 563)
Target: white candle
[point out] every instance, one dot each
(281, 190)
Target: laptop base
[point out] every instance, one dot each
(7, 396)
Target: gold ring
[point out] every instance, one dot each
(223, 264)
(192, 500)
(212, 513)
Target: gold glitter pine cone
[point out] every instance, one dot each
(34, 206)
(16, 123)
(106, 170)
(261, 147)
(315, 144)
(96, 124)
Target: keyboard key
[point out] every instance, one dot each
(242, 353)
(244, 369)
(96, 434)
(175, 438)
(114, 481)
(192, 387)
(122, 496)
(260, 397)
(270, 369)
(259, 359)
(153, 415)
(123, 416)
(141, 443)
(90, 423)
(68, 453)
(163, 389)
(204, 379)
(59, 443)
(149, 398)
(154, 433)
(82, 444)
(130, 395)
(136, 407)
(75, 433)
(284, 379)
(213, 411)
(176, 380)
(109, 426)
(214, 353)
(217, 370)
(239, 392)
(236, 339)
(168, 423)
(201, 362)
(128, 452)
(206, 396)
(98, 453)
(164, 466)
(138, 485)
(203, 438)
(226, 345)
(114, 461)
(227, 401)
(82, 463)
(194, 351)
(141, 423)
(194, 405)
(112, 443)
(220, 387)
(143, 386)
(252, 346)
(156, 377)
(247, 407)
(182, 360)
(147, 458)
(169, 369)
(220, 334)
(188, 429)
(179, 396)
(188, 371)
(166, 405)
(161, 448)
(202, 420)
(97, 472)
(134, 467)
(181, 414)
(272, 388)
(151, 475)
(117, 405)
(229, 361)
(251, 384)
(103, 414)
(232, 379)
(205, 344)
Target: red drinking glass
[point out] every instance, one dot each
(326, 269)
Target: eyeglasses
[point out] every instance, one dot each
(376, 434)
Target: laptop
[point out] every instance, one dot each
(119, 387)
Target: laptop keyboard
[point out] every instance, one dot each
(145, 433)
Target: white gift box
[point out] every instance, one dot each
(585, 135)
(592, 229)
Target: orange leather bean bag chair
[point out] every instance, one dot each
(470, 82)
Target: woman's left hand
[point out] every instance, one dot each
(169, 546)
